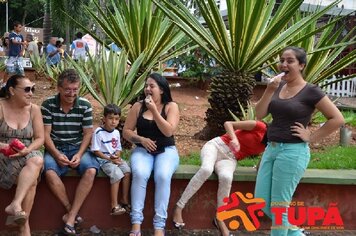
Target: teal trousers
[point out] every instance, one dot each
(281, 168)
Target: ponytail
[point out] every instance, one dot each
(3, 92)
(11, 82)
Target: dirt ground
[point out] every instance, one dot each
(193, 103)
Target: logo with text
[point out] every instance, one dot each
(298, 214)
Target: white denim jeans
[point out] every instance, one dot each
(215, 156)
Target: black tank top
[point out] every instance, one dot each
(149, 129)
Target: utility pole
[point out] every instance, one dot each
(7, 13)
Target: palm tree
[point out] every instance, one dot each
(324, 50)
(62, 24)
(257, 31)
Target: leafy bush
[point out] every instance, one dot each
(110, 80)
(198, 65)
(349, 116)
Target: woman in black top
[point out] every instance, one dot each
(151, 124)
(291, 101)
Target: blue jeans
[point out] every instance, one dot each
(88, 161)
(281, 168)
(163, 165)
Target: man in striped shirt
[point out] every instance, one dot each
(68, 129)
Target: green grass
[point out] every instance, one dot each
(192, 159)
(250, 161)
(349, 116)
(330, 158)
(334, 158)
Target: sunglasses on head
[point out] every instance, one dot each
(28, 89)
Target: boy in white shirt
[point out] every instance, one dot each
(107, 148)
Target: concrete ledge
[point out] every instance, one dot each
(317, 188)
(312, 176)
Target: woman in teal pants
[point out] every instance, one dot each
(291, 101)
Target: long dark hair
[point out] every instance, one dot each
(13, 81)
(163, 85)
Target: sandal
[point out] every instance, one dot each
(127, 207)
(178, 225)
(18, 219)
(69, 230)
(118, 210)
(135, 233)
(77, 222)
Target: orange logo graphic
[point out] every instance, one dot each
(249, 219)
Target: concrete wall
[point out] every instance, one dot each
(198, 214)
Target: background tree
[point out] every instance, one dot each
(257, 31)
(28, 12)
(47, 23)
(62, 26)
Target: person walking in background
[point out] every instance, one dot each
(156, 120)
(32, 48)
(68, 125)
(107, 148)
(243, 139)
(6, 43)
(291, 101)
(79, 48)
(59, 45)
(17, 47)
(21, 137)
(53, 52)
(2, 53)
(40, 48)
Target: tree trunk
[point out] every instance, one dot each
(47, 24)
(226, 92)
(98, 30)
(68, 38)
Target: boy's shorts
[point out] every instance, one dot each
(14, 65)
(114, 171)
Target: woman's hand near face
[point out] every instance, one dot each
(150, 104)
(262, 104)
(274, 84)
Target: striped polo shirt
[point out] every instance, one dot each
(67, 128)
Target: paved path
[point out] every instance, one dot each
(115, 232)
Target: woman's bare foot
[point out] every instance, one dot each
(135, 230)
(159, 232)
(177, 215)
(12, 209)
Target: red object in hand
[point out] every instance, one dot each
(17, 144)
(10, 149)
(7, 151)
